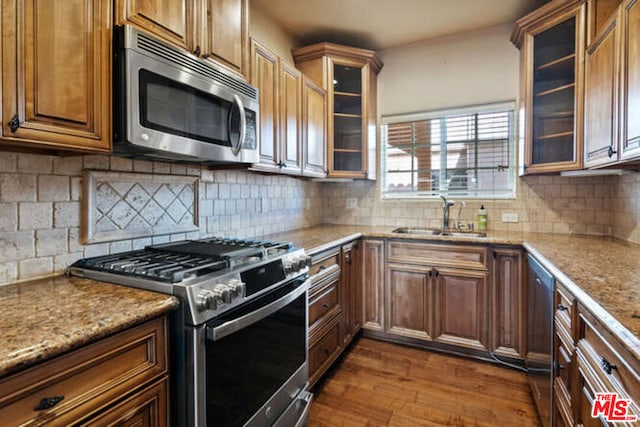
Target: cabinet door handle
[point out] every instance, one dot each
(322, 267)
(48, 403)
(325, 351)
(325, 305)
(436, 273)
(607, 366)
(430, 273)
(14, 123)
(197, 51)
(558, 367)
(611, 151)
(562, 307)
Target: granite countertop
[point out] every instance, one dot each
(603, 273)
(47, 317)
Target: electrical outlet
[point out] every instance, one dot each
(509, 217)
(352, 203)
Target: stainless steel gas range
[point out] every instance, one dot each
(239, 342)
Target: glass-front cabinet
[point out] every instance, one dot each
(349, 75)
(551, 41)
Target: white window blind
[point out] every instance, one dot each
(466, 152)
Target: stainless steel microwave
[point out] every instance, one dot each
(172, 105)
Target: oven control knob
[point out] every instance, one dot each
(288, 266)
(205, 300)
(238, 288)
(223, 293)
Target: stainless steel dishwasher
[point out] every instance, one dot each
(540, 337)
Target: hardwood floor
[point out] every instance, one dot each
(379, 383)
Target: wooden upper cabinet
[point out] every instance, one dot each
(264, 75)
(601, 96)
(290, 118)
(56, 74)
(226, 32)
(349, 76)
(551, 41)
(314, 122)
(171, 20)
(630, 79)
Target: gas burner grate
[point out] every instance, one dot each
(165, 267)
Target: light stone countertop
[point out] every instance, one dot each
(603, 273)
(44, 318)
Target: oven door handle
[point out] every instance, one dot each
(227, 328)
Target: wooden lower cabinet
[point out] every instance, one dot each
(588, 360)
(119, 380)
(351, 290)
(461, 307)
(508, 303)
(335, 305)
(435, 295)
(409, 301)
(373, 266)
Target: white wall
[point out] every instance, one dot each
(464, 69)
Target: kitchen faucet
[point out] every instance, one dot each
(463, 204)
(445, 211)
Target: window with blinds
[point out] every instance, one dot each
(465, 152)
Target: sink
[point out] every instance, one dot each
(406, 230)
(436, 232)
(464, 234)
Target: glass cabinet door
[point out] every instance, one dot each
(552, 49)
(347, 118)
(554, 89)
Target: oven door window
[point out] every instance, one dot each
(246, 368)
(172, 107)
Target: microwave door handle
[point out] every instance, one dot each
(227, 328)
(237, 102)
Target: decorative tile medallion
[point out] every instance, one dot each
(121, 205)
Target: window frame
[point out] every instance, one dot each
(503, 106)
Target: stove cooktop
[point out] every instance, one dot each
(210, 276)
(175, 262)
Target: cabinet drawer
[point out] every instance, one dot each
(324, 349)
(324, 298)
(564, 306)
(468, 257)
(88, 378)
(564, 369)
(148, 407)
(562, 402)
(612, 369)
(323, 264)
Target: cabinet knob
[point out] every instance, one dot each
(48, 403)
(325, 305)
(14, 123)
(562, 307)
(197, 51)
(607, 366)
(325, 351)
(611, 151)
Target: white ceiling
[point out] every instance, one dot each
(380, 24)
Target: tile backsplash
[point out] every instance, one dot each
(41, 209)
(543, 204)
